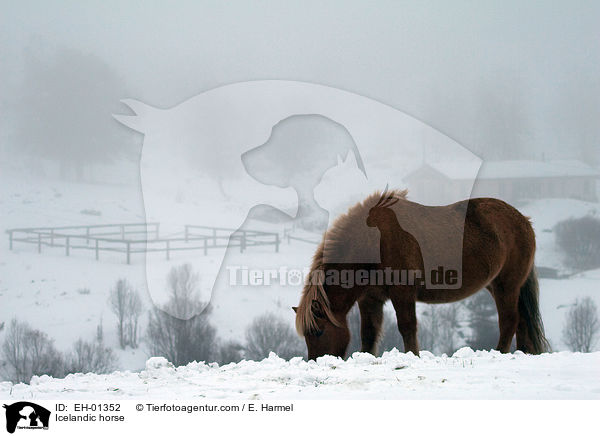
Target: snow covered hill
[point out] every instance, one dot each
(66, 297)
(465, 375)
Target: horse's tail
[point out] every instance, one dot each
(529, 311)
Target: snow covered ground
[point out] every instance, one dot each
(465, 375)
(50, 290)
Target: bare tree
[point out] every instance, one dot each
(174, 331)
(91, 357)
(28, 352)
(391, 337)
(439, 330)
(184, 300)
(134, 310)
(117, 301)
(126, 304)
(181, 340)
(482, 321)
(429, 328)
(230, 351)
(581, 328)
(100, 331)
(451, 335)
(64, 111)
(269, 333)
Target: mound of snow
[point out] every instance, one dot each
(467, 374)
(157, 362)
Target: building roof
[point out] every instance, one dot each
(514, 169)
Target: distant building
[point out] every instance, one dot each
(511, 180)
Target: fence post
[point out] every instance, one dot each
(128, 253)
(168, 255)
(87, 236)
(122, 231)
(205, 246)
(67, 241)
(276, 242)
(97, 251)
(39, 242)
(10, 239)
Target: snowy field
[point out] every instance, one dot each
(465, 375)
(66, 297)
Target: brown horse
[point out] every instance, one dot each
(497, 246)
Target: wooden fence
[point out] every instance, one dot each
(131, 238)
(287, 234)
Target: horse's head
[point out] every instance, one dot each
(326, 337)
(381, 212)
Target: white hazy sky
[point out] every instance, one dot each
(430, 59)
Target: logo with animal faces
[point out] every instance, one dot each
(266, 156)
(26, 415)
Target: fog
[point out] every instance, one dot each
(504, 79)
(142, 138)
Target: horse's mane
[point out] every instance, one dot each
(346, 234)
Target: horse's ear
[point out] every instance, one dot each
(317, 309)
(295, 309)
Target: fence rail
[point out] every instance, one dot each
(124, 238)
(287, 234)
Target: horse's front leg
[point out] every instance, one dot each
(404, 301)
(371, 319)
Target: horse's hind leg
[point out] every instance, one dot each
(371, 319)
(524, 342)
(507, 303)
